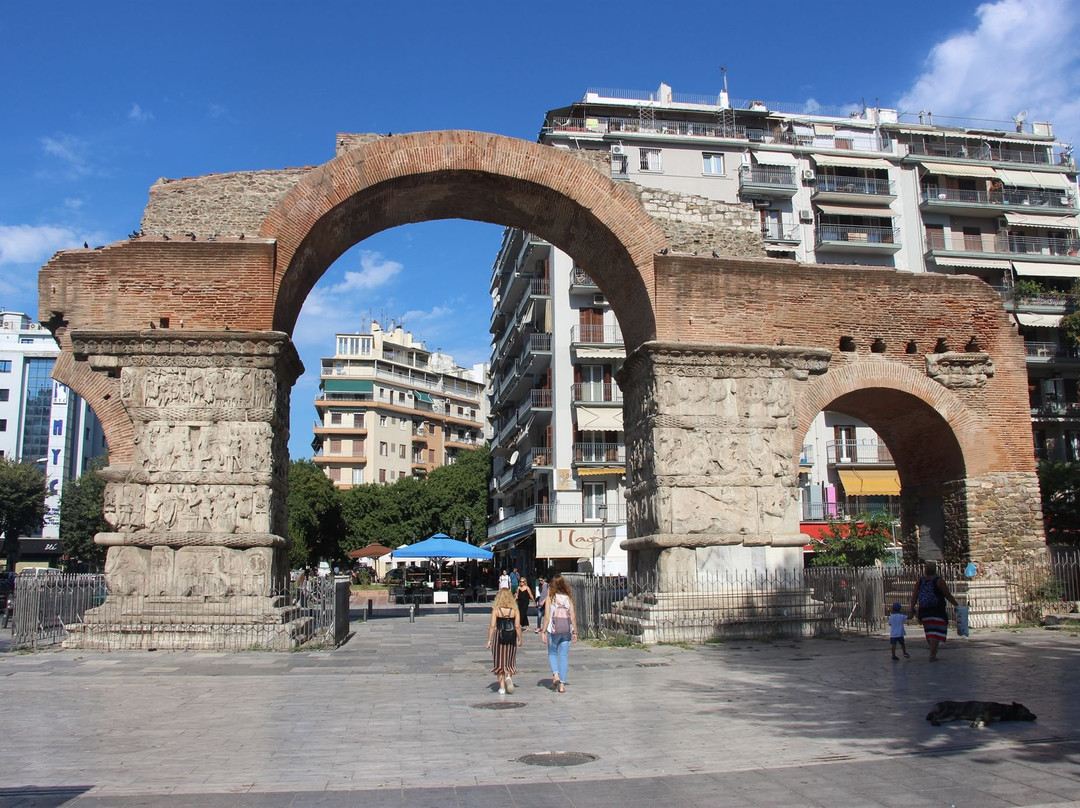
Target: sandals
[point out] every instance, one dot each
(555, 683)
(562, 687)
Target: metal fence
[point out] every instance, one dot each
(812, 601)
(81, 609)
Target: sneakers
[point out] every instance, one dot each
(509, 685)
(907, 655)
(502, 691)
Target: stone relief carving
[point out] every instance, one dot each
(959, 370)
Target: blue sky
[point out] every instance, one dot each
(99, 100)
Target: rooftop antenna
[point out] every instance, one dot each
(1019, 119)
(724, 71)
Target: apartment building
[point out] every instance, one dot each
(42, 422)
(389, 408)
(843, 185)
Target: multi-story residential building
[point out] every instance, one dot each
(389, 408)
(827, 186)
(42, 422)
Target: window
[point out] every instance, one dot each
(382, 475)
(4, 395)
(401, 451)
(335, 475)
(592, 495)
(3, 424)
(401, 475)
(5, 366)
(650, 159)
(712, 163)
(383, 420)
(358, 420)
(335, 446)
(401, 397)
(335, 418)
(844, 435)
(402, 424)
(357, 476)
(384, 449)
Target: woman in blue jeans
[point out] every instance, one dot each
(560, 629)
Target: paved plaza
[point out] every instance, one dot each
(397, 716)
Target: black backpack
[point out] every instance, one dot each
(928, 594)
(507, 631)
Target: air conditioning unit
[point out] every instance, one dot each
(808, 175)
(599, 300)
(806, 215)
(761, 204)
(618, 150)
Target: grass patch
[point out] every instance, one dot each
(368, 587)
(615, 641)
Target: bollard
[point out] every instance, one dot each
(370, 608)
(412, 612)
(461, 611)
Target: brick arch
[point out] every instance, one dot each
(425, 176)
(102, 394)
(933, 434)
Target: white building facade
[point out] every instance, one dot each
(851, 185)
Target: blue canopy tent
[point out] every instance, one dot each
(440, 548)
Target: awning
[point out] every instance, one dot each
(1034, 179)
(1035, 220)
(851, 162)
(775, 158)
(870, 482)
(958, 170)
(347, 385)
(848, 210)
(426, 397)
(601, 472)
(971, 263)
(1038, 320)
(824, 129)
(501, 543)
(1034, 269)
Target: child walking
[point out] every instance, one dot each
(896, 631)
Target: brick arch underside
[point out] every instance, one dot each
(101, 393)
(428, 176)
(934, 438)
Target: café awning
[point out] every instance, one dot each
(850, 162)
(870, 482)
(958, 170)
(775, 159)
(1035, 220)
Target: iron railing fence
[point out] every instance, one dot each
(838, 183)
(48, 609)
(812, 601)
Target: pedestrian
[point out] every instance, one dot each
(504, 637)
(514, 579)
(524, 598)
(896, 631)
(560, 630)
(929, 597)
(541, 598)
(504, 580)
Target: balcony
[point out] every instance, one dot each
(588, 334)
(857, 238)
(949, 199)
(773, 181)
(781, 233)
(581, 282)
(1011, 243)
(537, 400)
(595, 393)
(599, 453)
(866, 452)
(548, 514)
(836, 188)
(1056, 410)
(834, 511)
(973, 150)
(1049, 351)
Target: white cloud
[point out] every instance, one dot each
(1019, 56)
(71, 151)
(374, 271)
(139, 115)
(27, 244)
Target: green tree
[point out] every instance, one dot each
(460, 491)
(82, 516)
(314, 514)
(1059, 484)
(22, 504)
(857, 542)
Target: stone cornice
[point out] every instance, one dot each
(727, 360)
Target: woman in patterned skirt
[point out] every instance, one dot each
(929, 597)
(504, 637)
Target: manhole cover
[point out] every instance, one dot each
(557, 759)
(652, 664)
(499, 705)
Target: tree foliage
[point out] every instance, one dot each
(314, 514)
(82, 516)
(1059, 484)
(857, 542)
(22, 503)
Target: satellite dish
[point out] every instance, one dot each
(514, 458)
(1019, 119)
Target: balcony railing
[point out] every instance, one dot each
(579, 277)
(855, 233)
(1056, 409)
(549, 514)
(1048, 350)
(776, 176)
(596, 334)
(829, 183)
(835, 511)
(1025, 197)
(592, 393)
(540, 286)
(983, 152)
(780, 231)
(1002, 243)
(599, 453)
(867, 451)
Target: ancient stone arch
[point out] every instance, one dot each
(179, 341)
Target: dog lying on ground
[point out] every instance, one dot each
(979, 713)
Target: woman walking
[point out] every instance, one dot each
(504, 637)
(524, 598)
(540, 600)
(560, 630)
(929, 596)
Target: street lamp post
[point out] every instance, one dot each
(602, 508)
(468, 524)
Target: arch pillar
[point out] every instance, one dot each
(197, 550)
(711, 444)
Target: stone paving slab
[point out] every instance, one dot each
(393, 718)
